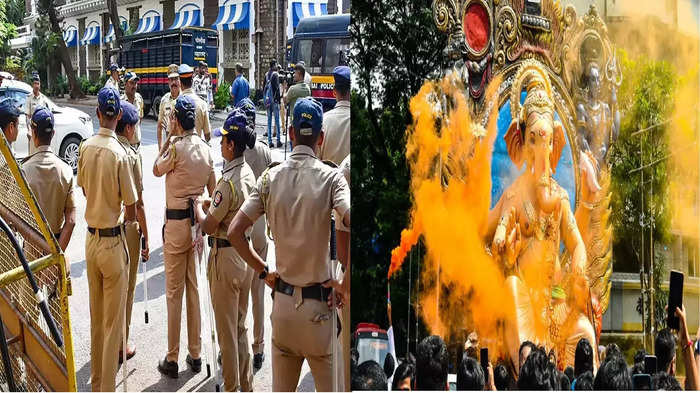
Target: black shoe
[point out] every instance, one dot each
(195, 364)
(258, 359)
(279, 144)
(169, 369)
(265, 134)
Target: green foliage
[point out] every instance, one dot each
(60, 86)
(646, 100)
(84, 83)
(222, 96)
(396, 47)
(15, 12)
(93, 89)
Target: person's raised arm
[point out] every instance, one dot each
(691, 369)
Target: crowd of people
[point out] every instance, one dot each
(239, 210)
(536, 367)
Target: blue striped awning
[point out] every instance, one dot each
(91, 36)
(111, 35)
(187, 17)
(233, 16)
(71, 37)
(306, 8)
(149, 23)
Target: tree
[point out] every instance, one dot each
(114, 19)
(396, 47)
(641, 214)
(48, 8)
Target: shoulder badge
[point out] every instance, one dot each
(217, 198)
(330, 163)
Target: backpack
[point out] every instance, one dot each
(267, 92)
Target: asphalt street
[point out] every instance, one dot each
(150, 340)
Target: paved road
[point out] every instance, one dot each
(151, 340)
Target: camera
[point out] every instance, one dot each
(287, 76)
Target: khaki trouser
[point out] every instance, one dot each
(229, 283)
(344, 336)
(107, 260)
(295, 338)
(180, 276)
(133, 244)
(257, 288)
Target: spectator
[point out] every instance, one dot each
(613, 374)
(536, 372)
(638, 367)
(691, 368)
(583, 382)
(240, 88)
(502, 378)
(564, 381)
(405, 374)
(665, 381)
(612, 350)
(569, 371)
(525, 348)
(470, 375)
(665, 349)
(298, 90)
(389, 366)
(369, 376)
(583, 358)
(272, 102)
(431, 364)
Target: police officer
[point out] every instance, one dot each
(201, 123)
(301, 317)
(229, 276)
(104, 173)
(259, 158)
(336, 122)
(34, 100)
(113, 80)
(126, 127)
(131, 83)
(50, 179)
(186, 162)
(9, 119)
(167, 103)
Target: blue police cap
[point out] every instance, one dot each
(248, 108)
(108, 101)
(9, 108)
(113, 67)
(43, 119)
(341, 74)
(185, 71)
(35, 77)
(308, 116)
(184, 111)
(131, 76)
(130, 114)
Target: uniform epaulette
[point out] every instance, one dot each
(330, 163)
(273, 164)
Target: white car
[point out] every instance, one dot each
(72, 125)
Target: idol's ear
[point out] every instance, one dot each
(558, 143)
(514, 143)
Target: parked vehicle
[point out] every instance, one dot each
(371, 342)
(72, 125)
(150, 54)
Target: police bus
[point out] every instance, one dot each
(150, 54)
(322, 43)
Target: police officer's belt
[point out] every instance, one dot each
(177, 214)
(316, 291)
(106, 232)
(220, 243)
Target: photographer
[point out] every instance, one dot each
(296, 91)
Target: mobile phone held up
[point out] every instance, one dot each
(484, 357)
(675, 298)
(641, 382)
(650, 364)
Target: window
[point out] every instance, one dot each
(311, 53)
(336, 53)
(20, 97)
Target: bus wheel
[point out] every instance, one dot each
(156, 106)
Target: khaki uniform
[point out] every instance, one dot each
(259, 159)
(133, 232)
(167, 104)
(188, 165)
(201, 115)
(344, 168)
(336, 138)
(110, 82)
(230, 278)
(51, 180)
(138, 103)
(33, 102)
(298, 197)
(104, 173)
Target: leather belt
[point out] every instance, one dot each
(316, 291)
(106, 232)
(177, 214)
(220, 243)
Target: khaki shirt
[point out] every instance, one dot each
(234, 187)
(138, 103)
(34, 102)
(136, 162)
(298, 197)
(167, 104)
(187, 165)
(336, 133)
(258, 158)
(112, 83)
(344, 168)
(104, 173)
(51, 180)
(201, 115)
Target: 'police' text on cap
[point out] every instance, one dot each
(108, 101)
(308, 116)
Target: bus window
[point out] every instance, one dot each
(311, 52)
(336, 53)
